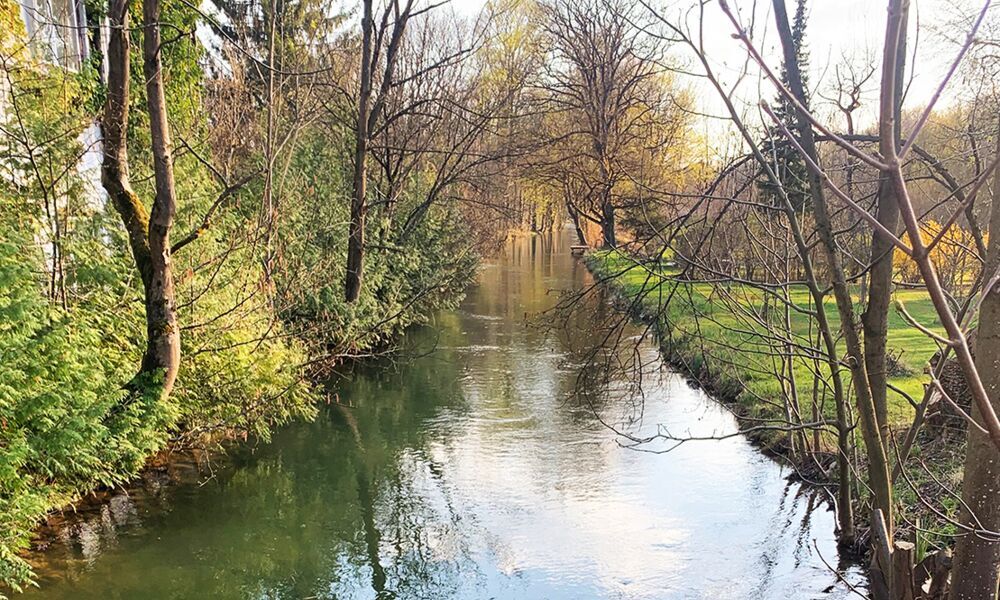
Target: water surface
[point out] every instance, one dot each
(474, 468)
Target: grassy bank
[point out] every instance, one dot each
(703, 332)
(709, 331)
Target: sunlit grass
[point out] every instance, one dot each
(704, 328)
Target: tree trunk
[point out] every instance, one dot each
(607, 206)
(114, 123)
(845, 427)
(875, 319)
(356, 231)
(878, 465)
(608, 221)
(163, 350)
(149, 235)
(574, 215)
(976, 566)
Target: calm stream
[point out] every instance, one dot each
(471, 471)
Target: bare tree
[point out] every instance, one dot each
(603, 75)
(980, 575)
(380, 49)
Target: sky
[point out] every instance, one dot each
(837, 31)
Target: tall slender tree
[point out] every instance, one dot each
(976, 570)
(378, 66)
(785, 161)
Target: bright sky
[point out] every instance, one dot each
(840, 31)
(837, 31)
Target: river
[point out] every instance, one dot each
(471, 468)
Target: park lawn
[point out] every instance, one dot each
(703, 332)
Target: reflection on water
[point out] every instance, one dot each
(473, 471)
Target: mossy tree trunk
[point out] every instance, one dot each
(148, 233)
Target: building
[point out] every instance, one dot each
(55, 36)
(56, 31)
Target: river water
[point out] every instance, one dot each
(473, 469)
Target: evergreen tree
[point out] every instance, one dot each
(782, 155)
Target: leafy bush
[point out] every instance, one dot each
(407, 277)
(254, 308)
(59, 380)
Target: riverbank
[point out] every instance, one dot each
(475, 468)
(702, 336)
(190, 450)
(69, 433)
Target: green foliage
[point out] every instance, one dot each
(255, 306)
(57, 432)
(407, 277)
(55, 390)
(10, 24)
(240, 371)
(783, 158)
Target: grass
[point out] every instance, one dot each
(715, 342)
(710, 328)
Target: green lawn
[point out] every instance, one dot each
(699, 328)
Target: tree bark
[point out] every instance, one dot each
(875, 318)
(976, 566)
(114, 124)
(370, 105)
(607, 186)
(163, 350)
(356, 230)
(608, 224)
(149, 234)
(845, 509)
(581, 236)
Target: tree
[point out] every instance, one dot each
(380, 50)
(980, 575)
(976, 570)
(786, 163)
(604, 76)
(149, 234)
